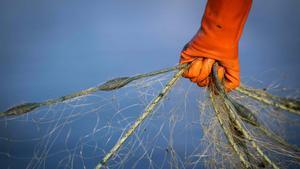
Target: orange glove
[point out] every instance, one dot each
(217, 40)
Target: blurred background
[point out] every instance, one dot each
(52, 48)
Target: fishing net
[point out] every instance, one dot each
(189, 128)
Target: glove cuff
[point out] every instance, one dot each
(220, 31)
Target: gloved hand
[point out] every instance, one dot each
(217, 40)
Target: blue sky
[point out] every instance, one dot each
(50, 48)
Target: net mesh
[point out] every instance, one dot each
(182, 132)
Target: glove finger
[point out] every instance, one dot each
(232, 80)
(204, 82)
(184, 58)
(194, 69)
(205, 69)
(221, 72)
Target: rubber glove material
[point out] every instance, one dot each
(217, 40)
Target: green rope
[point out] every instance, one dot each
(234, 116)
(290, 105)
(109, 85)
